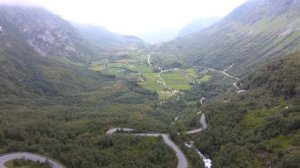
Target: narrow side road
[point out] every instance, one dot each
(224, 72)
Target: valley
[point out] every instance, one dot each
(165, 82)
(80, 96)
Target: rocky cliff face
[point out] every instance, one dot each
(48, 34)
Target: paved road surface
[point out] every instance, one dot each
(113, 130)
(238, 88)
(203, 123)
(226, 74)
(223, 72)
(28, 156)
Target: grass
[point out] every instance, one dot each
(97, 67)
(281, 142)
(118, 72)
(129, 60)
(151, 82)
(65, 60)
(141, 68)
(263, 24)
(204, 78)
(256, 118)
(179, 79)
(128, 70)
(122, 64)
(176, 80)
(2, 58)
(287, 41)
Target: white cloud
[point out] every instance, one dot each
(134, 16)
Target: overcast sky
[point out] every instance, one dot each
(134, 16)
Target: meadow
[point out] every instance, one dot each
(149, 78)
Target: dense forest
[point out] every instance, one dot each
(259, 127)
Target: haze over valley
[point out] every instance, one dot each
(158, 84)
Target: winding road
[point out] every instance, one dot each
(28, 156)
(182, 160)
(203, 123)
(224, 72)
(238, 88)
(206, 160)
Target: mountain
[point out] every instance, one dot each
(41, 54)
(31, 40)
(47, 34)
(259, 127)
(253, 33)
(53, 104)
(108, 40)
(198, 25)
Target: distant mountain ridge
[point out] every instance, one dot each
(198, 25)
(160, 36)
(108, 40)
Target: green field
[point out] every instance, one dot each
(177, 79)
(141, 68)
(151, 82)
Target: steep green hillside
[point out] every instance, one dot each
(250, 35)
(259, 127)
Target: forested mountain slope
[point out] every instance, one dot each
(250, 35)
(259, 127)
